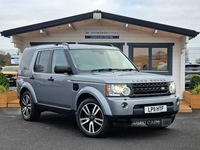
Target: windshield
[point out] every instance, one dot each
(100, 59)
(10, 69)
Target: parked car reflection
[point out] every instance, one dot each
(190, 71)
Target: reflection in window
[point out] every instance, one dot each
(59, 59)
(159, 59)
(99, 59)
(42, 62)
(157, 56)
(140, 58)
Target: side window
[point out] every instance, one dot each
(42, 62)
(26, 59)
(59, 59)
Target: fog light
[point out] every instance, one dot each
(177, 102)
(124, 105)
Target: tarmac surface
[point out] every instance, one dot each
(59, 132)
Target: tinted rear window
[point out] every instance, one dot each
(26, 59)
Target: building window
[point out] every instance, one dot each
(152, 57)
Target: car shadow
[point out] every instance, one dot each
(68, 123)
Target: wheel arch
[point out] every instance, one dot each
(27, 87)
(90, 92)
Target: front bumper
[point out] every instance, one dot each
(135, 106)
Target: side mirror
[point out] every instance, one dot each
(62, 69)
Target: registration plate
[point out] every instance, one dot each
(191, 75)
(155, 109)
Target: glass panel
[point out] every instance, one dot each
(26, 59)
(100, 59)
(159, 59)
(141, 58)
(58, 59)
(42, 62)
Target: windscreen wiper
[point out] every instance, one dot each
(103, 69)
(113, 69)
(127, 69)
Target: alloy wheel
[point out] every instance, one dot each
(26, 106)
(91, 118)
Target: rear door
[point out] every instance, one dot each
(40, 75)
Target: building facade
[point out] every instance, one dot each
(153, 47)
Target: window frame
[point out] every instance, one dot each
(38, 57)
(51, 62)
(150, 46)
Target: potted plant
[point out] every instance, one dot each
(192, 97)
(5, 94)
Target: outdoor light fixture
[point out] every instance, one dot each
(126, 26)
(71, 26)
(44, 32)
(97, 16)
(154, 33)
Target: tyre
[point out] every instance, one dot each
(28, 109)
(91, 119)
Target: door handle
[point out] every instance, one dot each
(31, 77)
(51, 79)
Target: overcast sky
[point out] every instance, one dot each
(18, 13)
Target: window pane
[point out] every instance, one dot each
(59, 59)
(26, 59)
(42, 62)
(159, 59)
(141, 58)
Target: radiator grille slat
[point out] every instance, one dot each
(145, 89)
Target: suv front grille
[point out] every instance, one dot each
(148, 89)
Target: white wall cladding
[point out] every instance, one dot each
(125, 36)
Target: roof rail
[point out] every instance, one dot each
(111, 45)
(66, 44)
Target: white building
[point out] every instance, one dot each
(153, 47)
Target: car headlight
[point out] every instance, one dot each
(172, 88)
(117, 90)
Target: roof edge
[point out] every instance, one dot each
(153, 25)
(105, 15)
(46, 24)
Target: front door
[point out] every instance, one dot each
(59, 87)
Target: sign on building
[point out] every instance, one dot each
(15, 59)
(101, 34)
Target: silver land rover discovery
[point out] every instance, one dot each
(98, 84)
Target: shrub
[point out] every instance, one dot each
(196, 90)
(4, 81)
(194, 82)
(3, 89)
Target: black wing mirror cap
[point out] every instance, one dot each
(62, 69)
